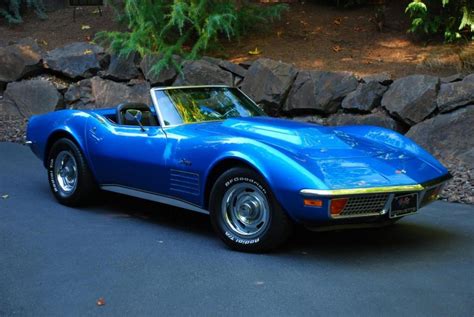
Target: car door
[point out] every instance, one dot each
(127, 156)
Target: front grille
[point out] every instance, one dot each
(365, 205)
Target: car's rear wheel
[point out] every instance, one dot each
(69, 176)
(245, 214)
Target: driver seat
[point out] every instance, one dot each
(148, 117)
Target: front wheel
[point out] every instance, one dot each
(245, 213)
(69, 176)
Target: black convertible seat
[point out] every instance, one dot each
(148, 118)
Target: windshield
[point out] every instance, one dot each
(189, 105)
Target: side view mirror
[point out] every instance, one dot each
(134, 115)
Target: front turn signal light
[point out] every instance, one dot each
(313, 202)
(337, 205)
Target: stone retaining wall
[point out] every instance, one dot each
(438, 113)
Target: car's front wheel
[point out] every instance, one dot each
(245, 214)
(69, 176)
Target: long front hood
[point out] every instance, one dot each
(338, 159)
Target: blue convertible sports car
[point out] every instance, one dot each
(213, 150)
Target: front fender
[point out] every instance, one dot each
(285, 176)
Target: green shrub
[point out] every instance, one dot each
(11, 9)
(183, 27)
(451, 18)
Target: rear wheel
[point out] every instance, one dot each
(69, 176)
(245, 213)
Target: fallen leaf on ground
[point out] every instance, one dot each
(337, 21)
(88, 52)
(256, 51)
(101, 301)
(96, 11)
(85, 27)
(337, 48)
(42, 42)
(279, 33)
(5, 196)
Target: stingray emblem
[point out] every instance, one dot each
(400, 171)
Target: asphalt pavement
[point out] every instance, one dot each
(145, 259)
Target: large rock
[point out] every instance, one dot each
(8, 110)
(33, 96)
(165, 77)
(228, 66)
(75, 60)
(456, 94)
(320, 91)
(448, 136)
(122, 68)
(412, 98)
(101, 93)
(365, 98)
(452, 78)
(201, 72)
(376, 119)
(267, 82)
(79, 95)
(382, 78)
(19, 59)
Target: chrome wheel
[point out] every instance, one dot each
(245, 210)
(65, 172)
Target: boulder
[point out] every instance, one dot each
(449, 137)
(75, 60)
(102, 93)
(8, 110)
(455, 95)
(382, 78)
(228, 66)
(122, 68)
(365, 98)
(376, 119)
(412, 98)
(320, 91)
(33, 97)
(19, 59)
(267, 82)
(452, 78)
(201, 72)
(166, 75)
(79, 95)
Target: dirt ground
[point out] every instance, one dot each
(310, 36)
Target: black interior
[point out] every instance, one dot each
(148, 117)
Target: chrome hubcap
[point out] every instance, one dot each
(65, 172)
(245, 209)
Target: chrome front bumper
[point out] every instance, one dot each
(377, 201)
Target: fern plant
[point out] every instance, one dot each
(12, 11)
(447, 17)
(183, 27)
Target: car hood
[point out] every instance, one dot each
(339, 159)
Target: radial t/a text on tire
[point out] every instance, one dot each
(245, 213)
(69, 176)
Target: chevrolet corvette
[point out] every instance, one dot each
(211, 149)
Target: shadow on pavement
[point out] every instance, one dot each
(406, 236)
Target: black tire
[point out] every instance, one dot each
(84, 188)
(272, 232)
